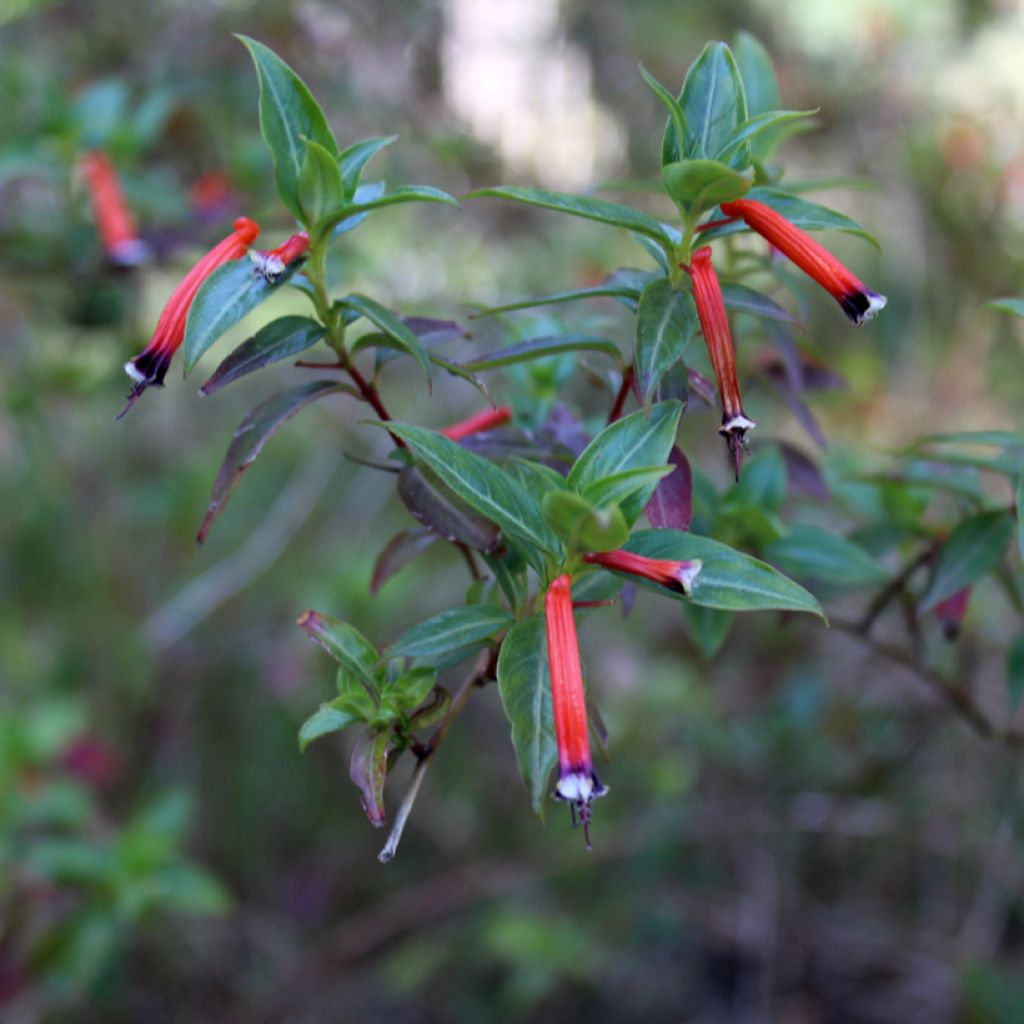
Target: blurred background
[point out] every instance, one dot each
(797, 830)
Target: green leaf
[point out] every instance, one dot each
(760, 86)
(525, 688)
(741, 299)
(637, 440)
(974, 548)
(729, 579)
(399, 195)
(485, 487)
(763, 484)
(1015, 674)
(287, 113)
(1014, 306)
(368, 770)
(411, 688)
(614, 291)
(986, 438)
(326, 719)
(354, 158)
(676, 118)
(709, 627)
(1019, 499)
(345, 644)
(541, 348)
(392, 325)
(580, 206)
(812, 552)
(617, 488)
(349, 221)
(713, 105)
(755, 127)
(252, 434)
(227, 295)
(582, 525)
(457, 627)
(665, 323)
(804, 214)
(434, 505)
(320, 187)
(698, 185)
(281, 338)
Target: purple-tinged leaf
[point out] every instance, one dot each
(367, 769)
(741, 299)
(252, 434)
(674, 386)
(345, 644)
(280, 339)
(434, 505)
(431, 331)
(402, 549)
(803, 473)
(790, 361)
(1015, 673)
(777, 375)
(702, 388)
(565, 430)
(505, 443)
(671, 505)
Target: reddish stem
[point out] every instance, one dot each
(715, 224)
(620, 398)
(371, 395)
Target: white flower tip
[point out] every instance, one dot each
(134, 372)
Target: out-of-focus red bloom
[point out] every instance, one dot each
(951, 612)
(577, 783)
(91, 761)
(211, 195)
(486, 420)
(858, 301)
(114, 220)
(272, 263)
(677, 576)
(714, 322)
(149, 368)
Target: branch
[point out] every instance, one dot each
(483, 669)
(897, 584)
(620, 398)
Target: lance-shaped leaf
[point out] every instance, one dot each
(325, 720)
(346, 645)
(760, 85)
(810, 552)
(582, 525)
(321, 189)
(617, 488)
(434, 505)
(729, 579)
(280, 339)
(252, 434)
(665, 323)
(974, 548)
(368, 769)
(481, 484)
(402, 549)
(541, 348)
(354, 158)
(364, 203)
(580, 206)
(984, 438)
(288, 113)
(525, 688)
(392, 325)
(457, 627)
(709, 627)
(741, 299)
(1015, 674)
(223, 299)
(801, 212)
(770, 122)
(350, 220)
(697, 185)
(610, 290)
(635, 440)
(671, 504)
(1013, 306)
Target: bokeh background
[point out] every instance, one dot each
(797, 830)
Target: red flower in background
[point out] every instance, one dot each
(577, 783)
(858, 301)
(149, 368)
(480, 421)
(714, 322)
(114, 220)
(677, 576)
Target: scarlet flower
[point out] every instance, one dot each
(858, 301)
(486, 420)
(114, 220)
(149, 368)
(577, 783)
(677, 576)
(272, 263)
(714, 322)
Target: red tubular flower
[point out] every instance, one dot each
(858, 301)
(114, 220)
(677, 576)
(272, 263)
(149, 368)
(714, 322)
(486, 420)
(577, 783)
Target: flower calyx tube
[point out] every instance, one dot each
(577, 783)
(273, 264)
(488, 419)
(858, 301)
(675, 575)
(714, 322)
(115, 222)
(149, 368)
